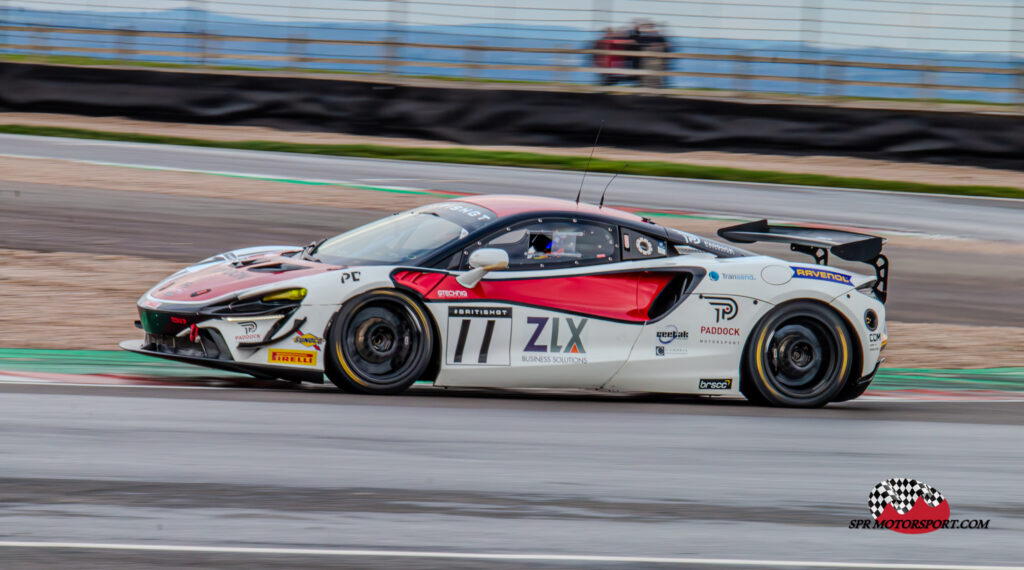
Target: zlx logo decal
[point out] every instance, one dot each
(575, 344)
(726, 308)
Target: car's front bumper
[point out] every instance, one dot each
(258, 370)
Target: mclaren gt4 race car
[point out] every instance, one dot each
(526, 292)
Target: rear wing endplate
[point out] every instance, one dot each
(818, 242)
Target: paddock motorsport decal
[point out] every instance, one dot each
(821, 275)
(726, 308)
(909, 506)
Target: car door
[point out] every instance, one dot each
(564, 313)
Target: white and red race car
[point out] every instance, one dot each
(527, 292)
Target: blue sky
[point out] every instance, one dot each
(977, 26)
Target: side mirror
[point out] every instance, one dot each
(482, 261)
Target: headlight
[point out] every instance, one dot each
(287, 295)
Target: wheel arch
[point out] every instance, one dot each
(856, 348)
(434, 367)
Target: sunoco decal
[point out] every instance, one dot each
(821, 275)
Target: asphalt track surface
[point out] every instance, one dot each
(472, 472)
(467, 471)
(991, 218)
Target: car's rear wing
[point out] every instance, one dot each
(818, 242)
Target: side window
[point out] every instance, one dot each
(555, 243)
(636, 245)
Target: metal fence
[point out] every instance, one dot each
(900, 49)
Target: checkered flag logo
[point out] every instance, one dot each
(901, 493)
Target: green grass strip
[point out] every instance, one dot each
(532, 160)
(98, 362)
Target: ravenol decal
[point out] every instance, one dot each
(822, 275)
(296, 357)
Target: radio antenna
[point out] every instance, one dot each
(597, 138)
(601, 204)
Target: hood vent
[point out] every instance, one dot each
(277, 268)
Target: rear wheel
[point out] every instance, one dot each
(380, 343)
(799, 355)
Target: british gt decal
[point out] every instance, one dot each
(479, 335)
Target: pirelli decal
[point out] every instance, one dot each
(292, 357)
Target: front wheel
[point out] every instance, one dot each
(799, 355)
(380, 343)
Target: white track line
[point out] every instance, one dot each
(539, 557)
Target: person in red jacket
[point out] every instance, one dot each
(616, 41)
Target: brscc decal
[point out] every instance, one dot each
(296, 357)
(715, 383)
(821, 275)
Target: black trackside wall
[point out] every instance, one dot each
(503, 116)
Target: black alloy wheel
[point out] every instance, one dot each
(799, 355)
(380, 343)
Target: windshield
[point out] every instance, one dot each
(404, 238)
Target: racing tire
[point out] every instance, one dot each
(852, 390)
(379, 343)
(800, 355)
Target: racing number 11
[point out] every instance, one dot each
(493, 325)
(460, 346)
